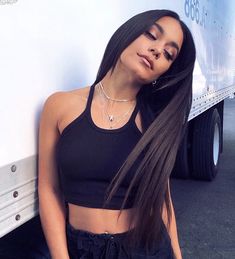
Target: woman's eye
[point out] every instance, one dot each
(149, 34)
(168, 56)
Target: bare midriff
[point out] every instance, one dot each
(99, 220)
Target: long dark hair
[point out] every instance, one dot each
(164, 112)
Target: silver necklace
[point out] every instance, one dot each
(111, 117)
(109, 98)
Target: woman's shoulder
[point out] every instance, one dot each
(62, 99)
(81, 92)
(67, 104)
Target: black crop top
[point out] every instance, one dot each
(88, 157)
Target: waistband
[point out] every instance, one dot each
(85, 233)
(106, 243)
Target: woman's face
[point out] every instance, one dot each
(153, 52)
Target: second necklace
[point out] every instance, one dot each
(111, 118)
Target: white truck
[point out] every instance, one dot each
(49, 46)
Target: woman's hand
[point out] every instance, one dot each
(172, 228)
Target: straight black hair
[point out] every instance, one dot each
(164, 113)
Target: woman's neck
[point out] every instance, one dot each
(119, 86)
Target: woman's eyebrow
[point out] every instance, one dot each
(171, 43)
(159, 27)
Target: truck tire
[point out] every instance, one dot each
(181, 167)
(206, 143)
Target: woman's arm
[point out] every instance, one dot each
(51, 203)
(172, 229)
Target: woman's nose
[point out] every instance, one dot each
(156, 52)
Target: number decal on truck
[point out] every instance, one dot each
(193, 10)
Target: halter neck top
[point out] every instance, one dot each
(88, 157)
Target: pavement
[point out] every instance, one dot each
(205, 211)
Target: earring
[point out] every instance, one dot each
(154, 83)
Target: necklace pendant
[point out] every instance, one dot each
(111, 117)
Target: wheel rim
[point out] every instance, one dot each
(216, 144)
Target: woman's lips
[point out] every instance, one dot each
(148, 62)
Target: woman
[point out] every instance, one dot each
(107, 151)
